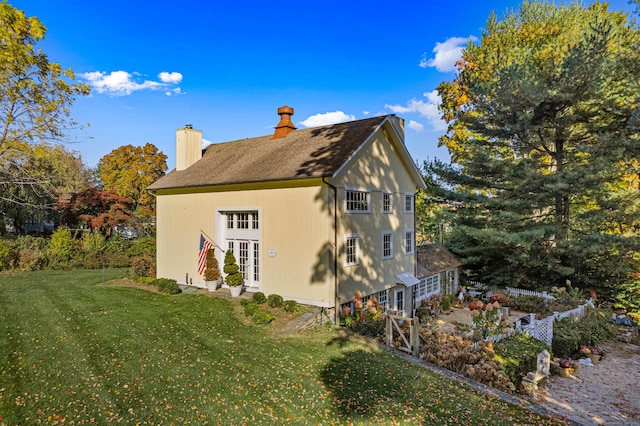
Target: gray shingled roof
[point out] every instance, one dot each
(433, 259)
(308, 153)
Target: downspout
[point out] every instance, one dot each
(335, 250)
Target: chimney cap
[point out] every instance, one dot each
(188, 126)
(285, 126)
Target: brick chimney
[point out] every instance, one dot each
(285, 126)
(188, 147)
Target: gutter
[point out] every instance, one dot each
(335, 249)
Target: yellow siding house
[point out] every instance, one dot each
(312, 215)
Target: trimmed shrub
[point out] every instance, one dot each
(231, 268)
(212, 272)
(262, 317)
(166, 285)
(290, 306)
(275, 301)
(259, 297)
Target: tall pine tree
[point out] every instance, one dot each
(544, 135)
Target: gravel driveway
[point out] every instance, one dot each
(606, 394)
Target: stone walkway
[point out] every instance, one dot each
(606, 394)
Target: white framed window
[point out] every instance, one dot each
(357, 201)
(408, 203)
(421, 291)
(408, 241)
(383, 298)
(352, 249)
(386, 202)
(230, 221)
(243, 220)
(427, 287)
(387, 244)
(255, 221)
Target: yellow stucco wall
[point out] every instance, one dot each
(376, 168)
(297, 227)
(294, 225)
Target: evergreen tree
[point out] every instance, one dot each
(543, 129)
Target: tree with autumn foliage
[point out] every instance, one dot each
(129, 170)
(544, 134)
(95, 207)
(36, 95)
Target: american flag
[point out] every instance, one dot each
(205, 245)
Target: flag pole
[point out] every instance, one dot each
(212, 240)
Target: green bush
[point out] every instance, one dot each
(259, 297)
(117, 244)
(93, 243)
(518, 354)
(262, 317)
(251, 308)
(8, 256)
(61, 249)
(593, 329)
(290, 306)
(146, 280)
(31, 252)
(275, 301)
(529, 304)
(166, 285)
(142, 246)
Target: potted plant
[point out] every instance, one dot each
(566, 366)
(234, 277)
(212, 275)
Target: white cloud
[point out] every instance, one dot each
(427, 109)
(447, 53)
(418, 127)
(170, 77)
(121, 83)
(366, 112)
(176, 91)
(205, 143)
(327, 118)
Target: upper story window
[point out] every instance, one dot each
(357, 201)
(243, 220)
(387, 245)
(386, 202)
(351, 249)
(408, 242)
(408, 203)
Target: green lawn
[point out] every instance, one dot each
(76, 351)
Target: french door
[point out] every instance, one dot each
(247, 254)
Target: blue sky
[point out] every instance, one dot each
(225, 67)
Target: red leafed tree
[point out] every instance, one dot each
(100, 209)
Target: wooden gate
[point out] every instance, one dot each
(395, 325)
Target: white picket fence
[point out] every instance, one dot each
(510, 291)
(541, 329)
